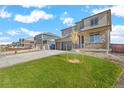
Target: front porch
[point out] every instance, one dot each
(97, 38)
(92, 39)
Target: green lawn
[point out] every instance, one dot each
(55, 72)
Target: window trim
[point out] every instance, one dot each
(94, 21)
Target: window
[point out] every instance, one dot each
(95, 38)
(81, 26)
(94, 21)
(66, 32)
(91, 38)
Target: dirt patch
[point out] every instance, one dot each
(74, 60)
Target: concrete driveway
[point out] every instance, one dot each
(10, 60)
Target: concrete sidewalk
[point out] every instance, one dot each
(10, 60)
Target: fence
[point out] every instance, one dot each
(117, 48)
(19, 51)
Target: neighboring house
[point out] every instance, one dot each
(45, 41)
(26, 42)
(93, 32)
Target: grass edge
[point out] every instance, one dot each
(116, 81)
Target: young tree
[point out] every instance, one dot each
(74, 37)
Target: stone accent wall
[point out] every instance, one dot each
(58, 45)
(96, 45)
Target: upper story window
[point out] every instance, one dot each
(95, 38)
(94, 21)
(80, 26)
(66, 32)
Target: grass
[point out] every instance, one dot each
(55, 71)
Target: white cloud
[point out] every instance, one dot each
(65, 13)
(29, 32)
(117, 10)
(87, 6)
(66, 20)
(5, 43)
(117, 34)
(1, 33)
(13, 32)
(36, 6)
(56, 28)
(4, 38)
(23, 31)
(4, 13)
(34, 16)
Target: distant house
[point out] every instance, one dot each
(13, 45)
(45, 40)
(93, 32)
(26, 42)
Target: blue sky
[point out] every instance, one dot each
(26, 20)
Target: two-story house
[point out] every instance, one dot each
(45, 41)
(93, 32)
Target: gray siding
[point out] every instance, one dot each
(104, 19)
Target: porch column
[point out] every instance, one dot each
(48, 45)
(84, 39)
(108, 43)
(80, 41)
(60, 46)
(55, 45)
(42, 41)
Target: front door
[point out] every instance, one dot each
(62, 46)
(81, 41)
